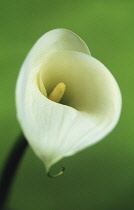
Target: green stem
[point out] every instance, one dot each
(10, 169)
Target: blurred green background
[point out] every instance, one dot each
(102, 176)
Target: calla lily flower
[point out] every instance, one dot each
(66, 99)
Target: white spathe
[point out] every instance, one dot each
(92, 100)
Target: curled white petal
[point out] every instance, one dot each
(90, 106)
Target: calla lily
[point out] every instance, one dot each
(90, 97)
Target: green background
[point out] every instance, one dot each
(102, 176)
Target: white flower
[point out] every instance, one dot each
(89, 108)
